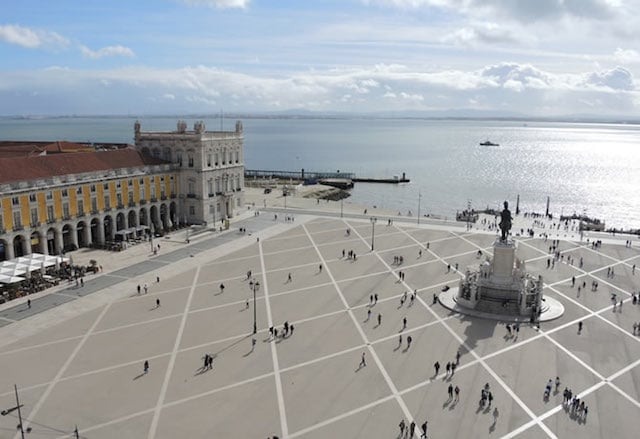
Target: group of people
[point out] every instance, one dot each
(574, 405)
(410, 430)
(287, 330)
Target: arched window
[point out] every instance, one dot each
(179, 157)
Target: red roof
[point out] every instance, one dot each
(37, 167)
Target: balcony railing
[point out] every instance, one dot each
(51, 221)
(18, 227)
(120, 206)
(163, 197)
(143, 202)
(154, 199)
(95, 212)
(35, 224)
(132, 204)
(191, 195)
(107, 209)
(80, 214)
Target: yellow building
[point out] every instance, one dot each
(59, 196)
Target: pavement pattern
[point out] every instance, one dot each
(88, 369)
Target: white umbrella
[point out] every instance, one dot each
(10, 279)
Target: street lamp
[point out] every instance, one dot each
(373, 220)
(341, 201)
(255, 287)
(17, 407)
(419, 198)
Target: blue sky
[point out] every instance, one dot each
(542, 57)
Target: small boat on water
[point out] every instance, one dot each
(489, 143)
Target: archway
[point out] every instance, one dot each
(173, 213)
(37, 243)
(80, 233)
(153, 211)
(19, 246)
(3, 250)
(67, 238)
(163, 216)
(143, 217)
(95, 230)
(120, 224)
(51, 242)
(108, 228)
(132, 220)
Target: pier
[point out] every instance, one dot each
(337, 179)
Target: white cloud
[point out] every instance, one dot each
(483, 33)
(107, 51)
(31, 38)
(626, 56)
(512, 86)
(220, 4)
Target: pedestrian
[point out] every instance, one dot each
(375, 298)
(320, 268)
(363, 363)
(404, 322)
(490, 398)
(29, 304)
(458, 357)
(289, 277)
(222, 288)
(557, 384)
(368, 314)
(146, 366)
(290, 329)
(450, 391)
(82, 282)
(453, 368)
(579, 327)
(138, 288)
(157, 303)
(246, 304)
(457, 392)
(412, 429)
(402, 426)
(379, 319)
(409, 340)
(370, 299)
(157, 279)
(399, 340)
(448, 368)
(436, 366)
(424, 429)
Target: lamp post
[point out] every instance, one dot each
(419, 198)
(373, 220)
(341, 201)
(255, 287)
(17, 407)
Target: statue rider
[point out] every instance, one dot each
(505, 221)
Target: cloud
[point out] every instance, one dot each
(515, 87)
(525, 11)
(31, 38)
(220, 4)
(626, 56)
(483, 33)
(107, 51)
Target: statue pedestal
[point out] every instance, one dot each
(504, 256)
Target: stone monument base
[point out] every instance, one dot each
(551, 309)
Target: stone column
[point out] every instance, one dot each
(10, 254)
(100, 230)
(74, 235)
(44, 244)
(26, 245)
(87, 233)
(58, 241)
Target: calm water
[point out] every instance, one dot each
(583, 167)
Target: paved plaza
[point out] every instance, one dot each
(87, 370)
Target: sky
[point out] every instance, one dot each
(542, 58)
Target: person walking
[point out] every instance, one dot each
(409, 340)
(450, 392)
(157, 303)
(222, 288)
(423, 427)
(363, 362)
(139, 289)
(457, 392)
(579, 326)
(29, 304)
(412, 429)
(146, 366)
(379, 319)
(436, 366)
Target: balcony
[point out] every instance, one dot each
(163, 197)
(107, 209)
(18, 227)
(191, 195)
(35, 224)
(120, 206)
(212, 195)
(51, 221)
(132, 204)
(80, 214)
(66, 218)
(95, 212)
(143, 202)
(154, 199)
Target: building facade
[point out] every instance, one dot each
(58, 198)
(209, 165)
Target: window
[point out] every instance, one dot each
(51, 216)
(192, 187)
(65, 210)
(192, 210)
(65, 193)
(142, 193)
(118, 184)
(130, 182)
(216, 159)
(141, 181)
(49, 195)
(130, 197)
(153, 191)
(179, 158)
(119, 197)
(79, 190)
(190, 161)
(32, 198)
(80, 207)
(210, 187)
(107, 202)
(15, 201)
(237, 156)
(93, 188)
(17, 220)
(224, 156)
(105, 186)
(209, 160)
(34, 216)
(94, 205)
